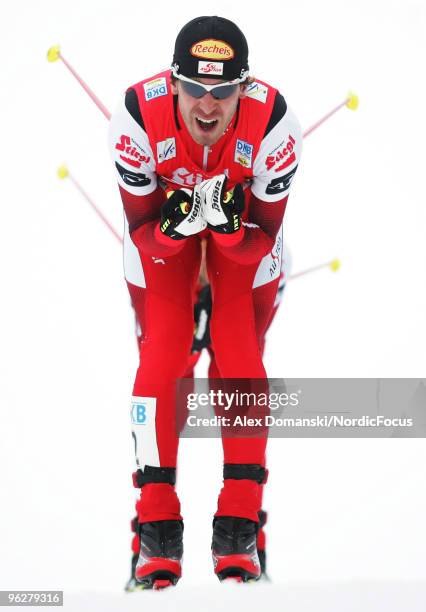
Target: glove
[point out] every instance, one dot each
(222, 209)
(182, 214)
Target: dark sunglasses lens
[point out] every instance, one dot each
(221, 93)
(198, 91)
(193, 90)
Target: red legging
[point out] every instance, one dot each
(240, 316)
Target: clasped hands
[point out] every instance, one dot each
(209, 205)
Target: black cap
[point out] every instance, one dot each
(211, 47)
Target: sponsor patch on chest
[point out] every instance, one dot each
(257, 91)
(243, 153)
(166, 149)
(155, 88)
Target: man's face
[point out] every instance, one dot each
(206, 118)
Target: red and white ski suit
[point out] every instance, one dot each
(152, 150)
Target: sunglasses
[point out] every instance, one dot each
(221, 91)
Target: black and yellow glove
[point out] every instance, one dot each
(182, 214)
(222, 209)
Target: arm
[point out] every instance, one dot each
(274, 168)
(135, 166)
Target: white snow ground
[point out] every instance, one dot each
(350, 597)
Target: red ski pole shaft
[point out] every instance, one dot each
(96, 209)
(53, 55)
(63, 172)
(334, 265)
(350, 102)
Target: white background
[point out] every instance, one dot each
(341, 510)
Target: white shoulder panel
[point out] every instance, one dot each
(277, 160)
(131, 153)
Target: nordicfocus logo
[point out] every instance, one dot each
(210, 68)
(132, 155)
(286, 153)
(212, 49)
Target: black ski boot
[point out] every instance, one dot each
(234, 549)
(160, 555)
(261, 544)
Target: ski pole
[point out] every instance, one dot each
(334, 265)
(63, 173)
(53, 54)
(351, 102)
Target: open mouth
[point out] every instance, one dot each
(206, 125)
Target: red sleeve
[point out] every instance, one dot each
(257, 236)
(143, 215)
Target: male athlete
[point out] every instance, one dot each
(203, 152)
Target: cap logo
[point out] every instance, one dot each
(212, 49)
(210, 68)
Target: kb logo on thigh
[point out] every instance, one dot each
(138, 414)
